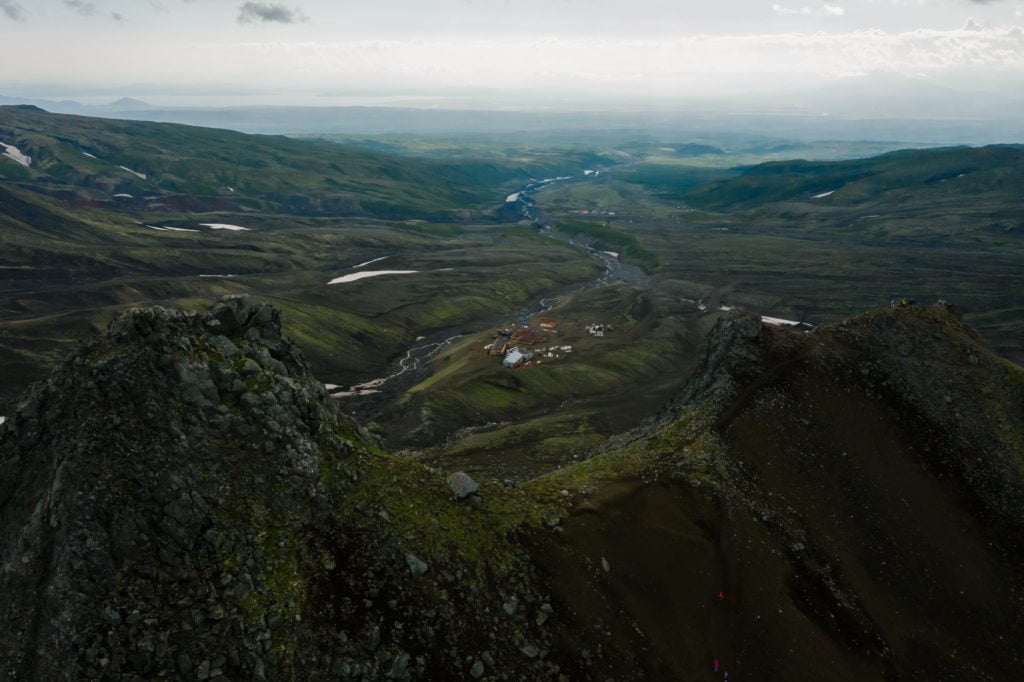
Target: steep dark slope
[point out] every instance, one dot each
(181, 500)
(855, 493)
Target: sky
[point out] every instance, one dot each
(221, 52)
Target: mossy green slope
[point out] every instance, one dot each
(92, 159)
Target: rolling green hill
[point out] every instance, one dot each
(75, 253)
(162, 165)
(944, 175)
(815, 240)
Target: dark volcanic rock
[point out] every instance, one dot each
(182, 500)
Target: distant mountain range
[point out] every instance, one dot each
(70, 106)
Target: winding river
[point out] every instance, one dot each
(406, 371)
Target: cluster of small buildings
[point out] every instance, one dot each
(522, 346)
(512, 355)
(507, 340)
(554, 351)
(517, 357)
(510, 346)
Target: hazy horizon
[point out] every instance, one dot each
(497, 54)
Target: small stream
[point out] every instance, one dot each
(412, 360)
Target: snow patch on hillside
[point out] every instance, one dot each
(167, 228)
(15, 154)
(779, 322)
(225, 226)
(135, 173)
(375, 260)
(369, 273)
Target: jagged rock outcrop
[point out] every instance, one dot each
(181, 500)
(854, 493)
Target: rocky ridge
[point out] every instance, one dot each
(844, 487)
(181, 500)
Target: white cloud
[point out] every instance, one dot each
(696, 63)
(823, 11)
(784, 11)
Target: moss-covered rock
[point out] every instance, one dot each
(181, 498)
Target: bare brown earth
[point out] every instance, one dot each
(853, 534)
(670, 552)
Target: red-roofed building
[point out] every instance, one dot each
(528, 337)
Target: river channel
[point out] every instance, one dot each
(411, 367)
